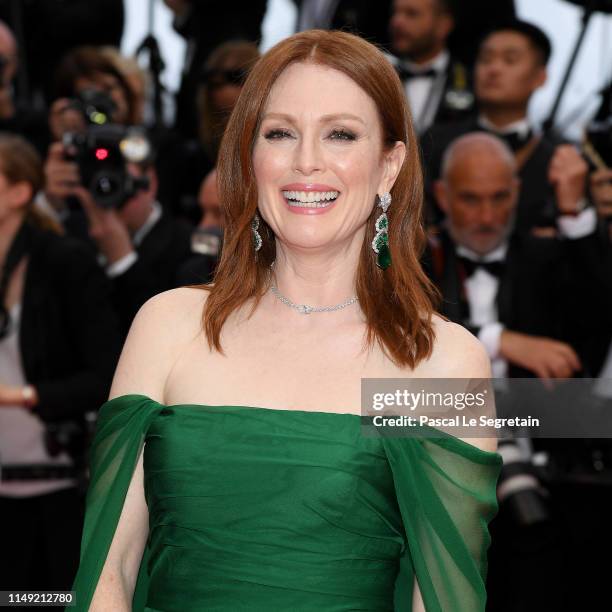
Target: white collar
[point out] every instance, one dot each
(147, 226)
(497, 254)
(522, 126)
(438, 63)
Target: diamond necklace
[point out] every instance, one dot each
(305, 309)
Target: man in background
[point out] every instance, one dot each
(438, 87)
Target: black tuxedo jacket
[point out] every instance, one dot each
(364, 17)
(456, 101)
(548, 288)
(160, 254)
(69, 336)
(208, 25)
(536, 205)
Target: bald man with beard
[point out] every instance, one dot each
(523, 296)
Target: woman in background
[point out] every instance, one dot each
(58, 347)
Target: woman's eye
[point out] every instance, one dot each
(277, 134)
(342, 135)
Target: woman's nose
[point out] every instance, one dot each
(308, 157)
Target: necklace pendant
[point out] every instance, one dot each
(305, 309)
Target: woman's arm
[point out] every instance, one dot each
(117, 581)
(152, 346)
(417, 599)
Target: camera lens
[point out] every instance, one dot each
(106, 187)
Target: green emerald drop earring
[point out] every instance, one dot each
(380, 244)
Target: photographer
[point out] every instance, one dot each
(89, 88)
(140, 245)
(92, 89)
(59, 343)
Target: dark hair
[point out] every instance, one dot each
(397, 303)
(229, 63)
(87, 62)
(446, 6)
(21, 163)
(538, 39)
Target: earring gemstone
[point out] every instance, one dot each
(257, 242)
(380, 244)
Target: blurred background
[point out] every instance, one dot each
(111, 118)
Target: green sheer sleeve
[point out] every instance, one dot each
(446, 492)
(120, 432)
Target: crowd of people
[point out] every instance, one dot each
(91, 226)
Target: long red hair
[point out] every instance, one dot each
(397, 302)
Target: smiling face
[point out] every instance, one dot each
(318, 158)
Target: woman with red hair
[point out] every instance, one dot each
(229, 470)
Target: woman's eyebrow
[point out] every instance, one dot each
(323, 119)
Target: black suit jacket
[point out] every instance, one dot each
(208, 25)
(364, 17)
(69, 337)
(160, 254)
(536, 205)
(548, 289)
(62, 25)
(603, 299)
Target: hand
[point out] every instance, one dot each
(63, 118)
(11, 395)
(105, 227)
(567, 173)
(545, 357)
(61, 175)
(601, 190)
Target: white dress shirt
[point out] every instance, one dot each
(522, 126)
(481, 292)
(21, 431)
(127, 261)
(481, 287)
(425, 93)
(316, 14)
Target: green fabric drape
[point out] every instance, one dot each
(443, 489)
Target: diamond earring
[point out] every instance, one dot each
(256, 236)
(380, 244)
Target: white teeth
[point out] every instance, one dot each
(310, 199)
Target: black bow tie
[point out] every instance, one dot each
(405, 74)
(495, 268)
(515, 140)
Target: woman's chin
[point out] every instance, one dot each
(306, 241)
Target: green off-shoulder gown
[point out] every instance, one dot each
(269, 510)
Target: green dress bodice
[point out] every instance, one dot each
(263, 509)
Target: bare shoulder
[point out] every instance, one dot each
(161, 328)
(458, 353)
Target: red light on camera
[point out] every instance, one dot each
(101, 154)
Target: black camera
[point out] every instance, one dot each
(103, 150)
